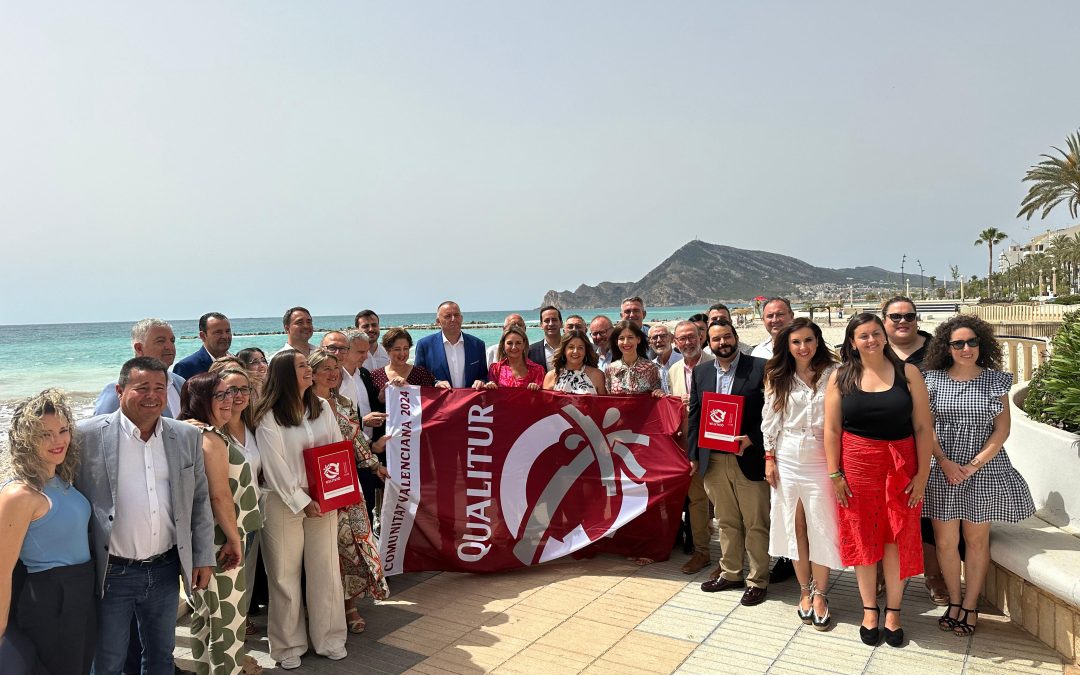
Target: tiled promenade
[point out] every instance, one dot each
(607, 615)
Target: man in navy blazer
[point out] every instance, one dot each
(543, 351)
(455, 358)
(215, 331)
(735, 483)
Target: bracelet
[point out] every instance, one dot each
(772, 457)
(836, 474)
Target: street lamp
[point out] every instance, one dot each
(922, 279)
(903, 279)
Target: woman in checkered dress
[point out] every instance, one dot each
(972, 483)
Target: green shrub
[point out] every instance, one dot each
(1066, 300)
(1054, 393)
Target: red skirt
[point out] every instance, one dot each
(877, 512)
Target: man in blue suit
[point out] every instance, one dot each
(215, 331)
(456, 359)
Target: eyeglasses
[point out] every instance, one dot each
(232, 392)
(257, 362)
(659, 338)
(960, 344)
(335, 349)
(909, 317)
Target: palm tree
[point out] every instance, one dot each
(954, 271)
(1054, 180)
(990, 236)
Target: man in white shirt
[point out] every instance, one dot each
(299, 329)
(776, 315)
(660, 339)
(600, 332)
(151, 520)
(368, 321)
(543, 351)
(680, 378)
(351, 349)
(510, 320)
(153, 338)
(456, 359)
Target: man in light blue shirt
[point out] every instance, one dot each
(153, 338)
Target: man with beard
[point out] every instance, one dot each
(215, 331)
(368, 321)
(680, 378)
(734, 482)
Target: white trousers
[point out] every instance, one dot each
(290, 542)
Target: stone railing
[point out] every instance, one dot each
(1018, 313)
(1023, 355)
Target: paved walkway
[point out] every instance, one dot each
(607, 615)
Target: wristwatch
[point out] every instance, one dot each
(975, 462)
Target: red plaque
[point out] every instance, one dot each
(331, 474)
(721, 422)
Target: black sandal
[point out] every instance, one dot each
(894, 638)
(962, 627)
(870, 636)
(946, 622)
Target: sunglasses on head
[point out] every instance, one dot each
(909, 317)
(959, 344)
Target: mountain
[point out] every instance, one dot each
(700, 272)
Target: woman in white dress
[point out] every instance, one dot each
(803, 499)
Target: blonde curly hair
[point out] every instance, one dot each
(27, 431)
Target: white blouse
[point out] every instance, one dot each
(282, 450)
(805, 411)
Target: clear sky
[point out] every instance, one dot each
(171, 158)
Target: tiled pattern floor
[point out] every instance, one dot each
(607, 615)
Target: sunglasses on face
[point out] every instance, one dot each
(909, 317)
(959, 344)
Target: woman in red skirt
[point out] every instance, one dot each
(878, 439)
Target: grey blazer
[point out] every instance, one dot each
(98, 469)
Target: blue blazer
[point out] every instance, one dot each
(431, 355)
(199, 362)
(108, 402)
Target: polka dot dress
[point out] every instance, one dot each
(964, 413)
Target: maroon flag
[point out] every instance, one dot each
(492, 480)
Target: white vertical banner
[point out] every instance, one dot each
(401, 493)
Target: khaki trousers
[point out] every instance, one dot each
(741, 507)
(291, 541)
(699, 514)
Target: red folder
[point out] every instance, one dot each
(721, 422)
(331, 474)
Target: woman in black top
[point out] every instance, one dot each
(878, 439)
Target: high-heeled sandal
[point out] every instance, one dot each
(962, 627)
(946, 622)
(935, 589)
(806, 617)
(870, 636)
(821, 622)
(894, 638)
(356, 625)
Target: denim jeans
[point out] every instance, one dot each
(149, 592)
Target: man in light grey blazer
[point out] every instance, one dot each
(144, 477)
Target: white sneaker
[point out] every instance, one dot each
(337, 654)
(291, 663)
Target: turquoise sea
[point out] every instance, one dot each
(82, 358)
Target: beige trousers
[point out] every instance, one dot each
(291, 541)
(699, 514)
(741, 507)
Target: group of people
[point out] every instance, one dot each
(197, 473)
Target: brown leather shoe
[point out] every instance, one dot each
(753, 596)
(721, 584)
(696, 563)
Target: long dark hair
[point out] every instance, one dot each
(558, 363)
(939, 354)
(616, 331)
(281, 393)
(850, 373)
(780, 370)
(197, 397)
